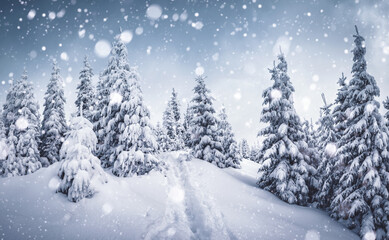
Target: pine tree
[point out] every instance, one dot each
(54, 123)
(311, 148)
(362, 196)
(284, 170)
(113, 91)
(203, 126)
(102, 100)
(79, 167)
(85, 92)
(137, 144)
(162, 138)
(231, 151)
(187, 122)
(245, 148)
(21, 114)
(172, 124)
(327, 138)
(169, 124)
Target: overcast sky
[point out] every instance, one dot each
(234, 42)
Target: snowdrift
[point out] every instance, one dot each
(191, 200)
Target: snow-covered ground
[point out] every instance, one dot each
(196, 200)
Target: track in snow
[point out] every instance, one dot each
(190, 213)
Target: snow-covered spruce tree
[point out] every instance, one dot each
(245, 148)
(175, 108)
(22, 115)
(172, 142)
(102, 100)
(113, 91)
(54, 123)
(311, 148)
(187, 122)
(86, 92)
(362, 197)
(232, 156)
(162, 138)
(327, 138)
(284, 170)
(134, 154)
(11, 166)
(80, 169)
(203, 126)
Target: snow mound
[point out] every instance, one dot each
(192, 199)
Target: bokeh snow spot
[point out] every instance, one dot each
(176, 194)
(107, 208)
(275, 94)
(171, 232)
(54, 183)
(369, 236)
(64, 56)
(115, 98)
(154, 12)
(199, 71)
(331, 149)
(31, 14)
(21, 123)
(312, 235)
(102, 48)
(126, 36)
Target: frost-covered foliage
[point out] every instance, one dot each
(54, 123)
(386, 106)
(21, 121)
(341, 105)
(203, 126)
(126, 137)
(172, 124)
(80, 170)
(245, 149)
(86, 92)
(311, 141)
(187, 119)
(162, 138)
(284, 169)
(362, 197)
(327, 138)
(232, 156)
(3, 146)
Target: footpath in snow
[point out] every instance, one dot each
(190, 200)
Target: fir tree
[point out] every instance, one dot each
(310, 139)
(362, 196)
(327, 138)
(169, 124)
(54, 123)
(284, 170)
(127, 138)
(137, 143)
(162, 138)
(3, 146)
(21, 114)
(85, 92)
(245, 148)
(172, 124)
(79, 167)
(231, 151)
(187, 122)
(203, 126)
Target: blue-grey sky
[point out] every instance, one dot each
(234, 42)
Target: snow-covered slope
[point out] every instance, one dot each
(195, 200)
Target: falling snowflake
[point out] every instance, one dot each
(21, 123)
(102, 48)
(115, 98)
